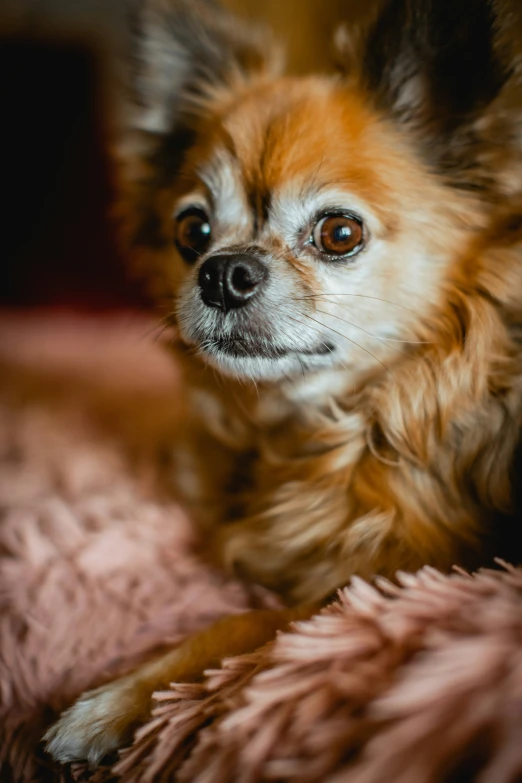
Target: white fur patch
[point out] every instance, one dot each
(232, 219)
(87, 730)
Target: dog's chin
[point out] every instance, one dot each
(266, 362)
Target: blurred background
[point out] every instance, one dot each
(58, 247)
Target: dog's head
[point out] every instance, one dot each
(312, 223)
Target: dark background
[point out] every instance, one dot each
(58, 245)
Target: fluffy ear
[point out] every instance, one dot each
(181, 52)
(433, 65)
(182, 57)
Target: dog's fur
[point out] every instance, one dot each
(360, 415)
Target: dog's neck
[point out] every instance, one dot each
(309, 393)
(304, 399)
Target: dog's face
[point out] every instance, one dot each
(302, 231)
(305, 236)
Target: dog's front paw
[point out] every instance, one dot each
(100, 721)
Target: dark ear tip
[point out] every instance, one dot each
(451, 44)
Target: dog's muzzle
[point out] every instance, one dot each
(229, 281)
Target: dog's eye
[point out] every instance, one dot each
(192, 233)
(339, 235)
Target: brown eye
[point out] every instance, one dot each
(339, 235)
(192, 233)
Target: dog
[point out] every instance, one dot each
(341, 256)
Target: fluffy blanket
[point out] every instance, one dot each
(415, 683)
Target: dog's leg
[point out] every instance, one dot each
(103, 719)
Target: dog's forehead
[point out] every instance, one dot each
(296, 138)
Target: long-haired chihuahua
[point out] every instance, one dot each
(342, 257)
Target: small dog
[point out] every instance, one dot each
(345, 253)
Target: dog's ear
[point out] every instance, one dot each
(434, 60)
(433, 65)
(182, 58)
(182, 52)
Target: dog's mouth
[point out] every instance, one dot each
(241, 347)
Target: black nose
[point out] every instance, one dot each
(230, 281)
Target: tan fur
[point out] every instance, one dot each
(448, 417)
(328, 498)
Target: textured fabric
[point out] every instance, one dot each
(98, 565)
(413, 685)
